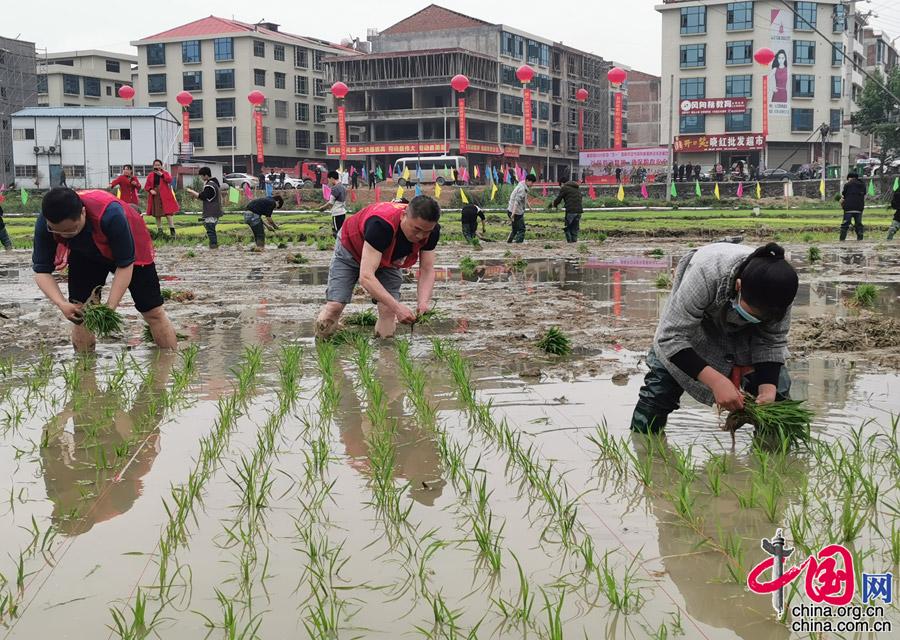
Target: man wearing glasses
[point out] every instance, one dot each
(103, 235)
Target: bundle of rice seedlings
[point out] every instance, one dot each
(177, 295)
(467, 266)
(297, 258)
(814, 254)
(781, 421)
(101, 320)
(864, 295)
(430, 316)
(555, 342)
(366, 318)
(663, 281)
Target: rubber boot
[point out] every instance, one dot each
(843, 234)
(172, 232)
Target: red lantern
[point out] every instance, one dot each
(126, 92)
(459, 82)
(616, 75)
(184, 98)
(764, 56)
(339, 90)
(524, 74)
(256, 97)
(581, 95)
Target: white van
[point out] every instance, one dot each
(433, 169)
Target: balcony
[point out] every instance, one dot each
(384, 115)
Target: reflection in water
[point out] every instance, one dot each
(416, 458)
(93, 438)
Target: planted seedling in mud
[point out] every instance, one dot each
(624, 597)
(323, 244)
(807, 237)
(730, 544)
(663, 281)
(177, 295)
(555, 342)
(101, 320)
(518, 264)
(656, 253)
(191, 253)
(297, 258)
(864, 295)
(583, 248)
(783, 424)
(467, 266)
(814, 254)
(133, 624)
(366, 318)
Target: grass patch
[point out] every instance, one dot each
(297, 258)
(468, 266)
(366, 318)
(814, 254)
(864, 295)
(555, 342)
(663, 281)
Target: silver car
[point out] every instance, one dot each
(241, 180)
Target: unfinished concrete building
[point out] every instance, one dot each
(18, 89)
(400, 94)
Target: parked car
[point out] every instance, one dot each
(774, 175)
(241, 180)
(294, 183)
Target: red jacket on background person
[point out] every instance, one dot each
(129, 187)
(170, 204)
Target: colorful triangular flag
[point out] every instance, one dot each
(716, 191)
(390, 171)
(496, 175)
(621, 195)
(544, 191)
(405, 174)
(352, 170)
(822, 187)
(493, 190)
(673, 191)
(24, 196)
(247, 192)
(400, 192)
(365, 174)
(896, 184)
(533, 172)
(437, 190)
(871, 190)
(352, 195)
(418, 188)
(297, 196)
(377, 193)
(644, 191)
(697, 191)
(462, 196)
(234, 196)
(506, 177)
(379, 173)
(758, 190)
(326, 192)
(475, 172)
(418, 173)
(433, 175)
(592, 194)
(740, 190)
(270, 188)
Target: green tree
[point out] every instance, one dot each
(879, 112)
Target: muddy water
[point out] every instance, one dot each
(61, 459)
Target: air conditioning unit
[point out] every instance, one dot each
(38, 149)
(51, 149)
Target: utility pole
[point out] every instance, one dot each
(671, 137)
(849, 29)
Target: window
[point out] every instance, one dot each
(545, 55)
(23, 134)
(281, 136)
(71, 85)
(224, 78)
(690, 88)
(42, 84)
(195, 136)
(837, 54)
(223, 49)
(693, 20)
(92, 87)
(803, 86)
(801, 119)
(301, 112)
(26, 170)
(805, 16)
(693, 56)
(281, 108)
(190, 51)
(839, 19)
(162, 104)
(301, 59)
(195, 110)
(739, 86)
(739, 16)
(259, 77)
(192, 80)
(511, 133)
(265, 135)
(508, 75)
(511, 105)
(278, 52)
(804, 52)
(224, 108)
(71, 134)
(224, 136)
(739, 121)
(156, 54)
(120, 134)
(835, 119)
(534, 52)
(320, 113)
(301, 85)
(837, 86)
(109, 90)
(693, 124)
(318, 57)
(739, 52)
(156, 83)
(543, 138)
(259, 48)
(68, 63)
(112, 66)
(543, 111)
(73, 170)
(280, 80)
(301, 139)
(321, 139)
(320, 87)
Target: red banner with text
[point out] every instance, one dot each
(617, 122)
(260, 156)
(526, 110)
(342, 130)
(765, 109)
(185, 126)
(581, 128)
(463, 145)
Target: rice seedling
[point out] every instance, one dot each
(297, 258)
(624, 597)
(6, 367)
(608, 446)
(785, 421)
(555, 342)
(323, 244)
(191, 253)
(134, 624)
(101, 320)
(852, 521)
(770, 492)
(656, 253)
(432, 315)
(554, 630)
(864, 295)
(814, 254)
(519, 264)
(663, 281)
(177, 295)
(731, 545)
(366, 318)
(467, 267)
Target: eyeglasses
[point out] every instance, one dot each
(63, 234)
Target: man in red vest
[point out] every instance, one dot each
(103, 235)
(371, 248)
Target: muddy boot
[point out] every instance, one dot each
(171, 232)
(843, 234)
(326, 328)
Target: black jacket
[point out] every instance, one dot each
(571, 193)
(262, 206)
(854, 195)
(895, 205)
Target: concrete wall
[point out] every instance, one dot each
(484, 40)
(84, 66)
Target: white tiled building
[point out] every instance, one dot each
(88, 78)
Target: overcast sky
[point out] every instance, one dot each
(627, 31)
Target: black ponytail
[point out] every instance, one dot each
(768, 282)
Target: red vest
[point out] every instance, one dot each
(353, 233)
(95, 204)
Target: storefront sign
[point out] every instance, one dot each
(384, 149)
(713, 106)
(724, 142)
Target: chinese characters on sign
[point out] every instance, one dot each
(526, 110)
(388, 149)
(342, 131)
(257, 116)
(462, 127)
(724, 142)
(713, 106)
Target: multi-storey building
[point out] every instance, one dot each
(17, 91)
(881, 56)
(400, 93)
(220, 62)
(643, 109)
(708, 52)
(88, 78)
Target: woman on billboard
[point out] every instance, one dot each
(778, 77)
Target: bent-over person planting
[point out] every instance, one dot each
(258, 217)
(372, 247)
(724, 329)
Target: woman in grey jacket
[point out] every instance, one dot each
(724, 328)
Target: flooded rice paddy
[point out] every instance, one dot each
(452, 483)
